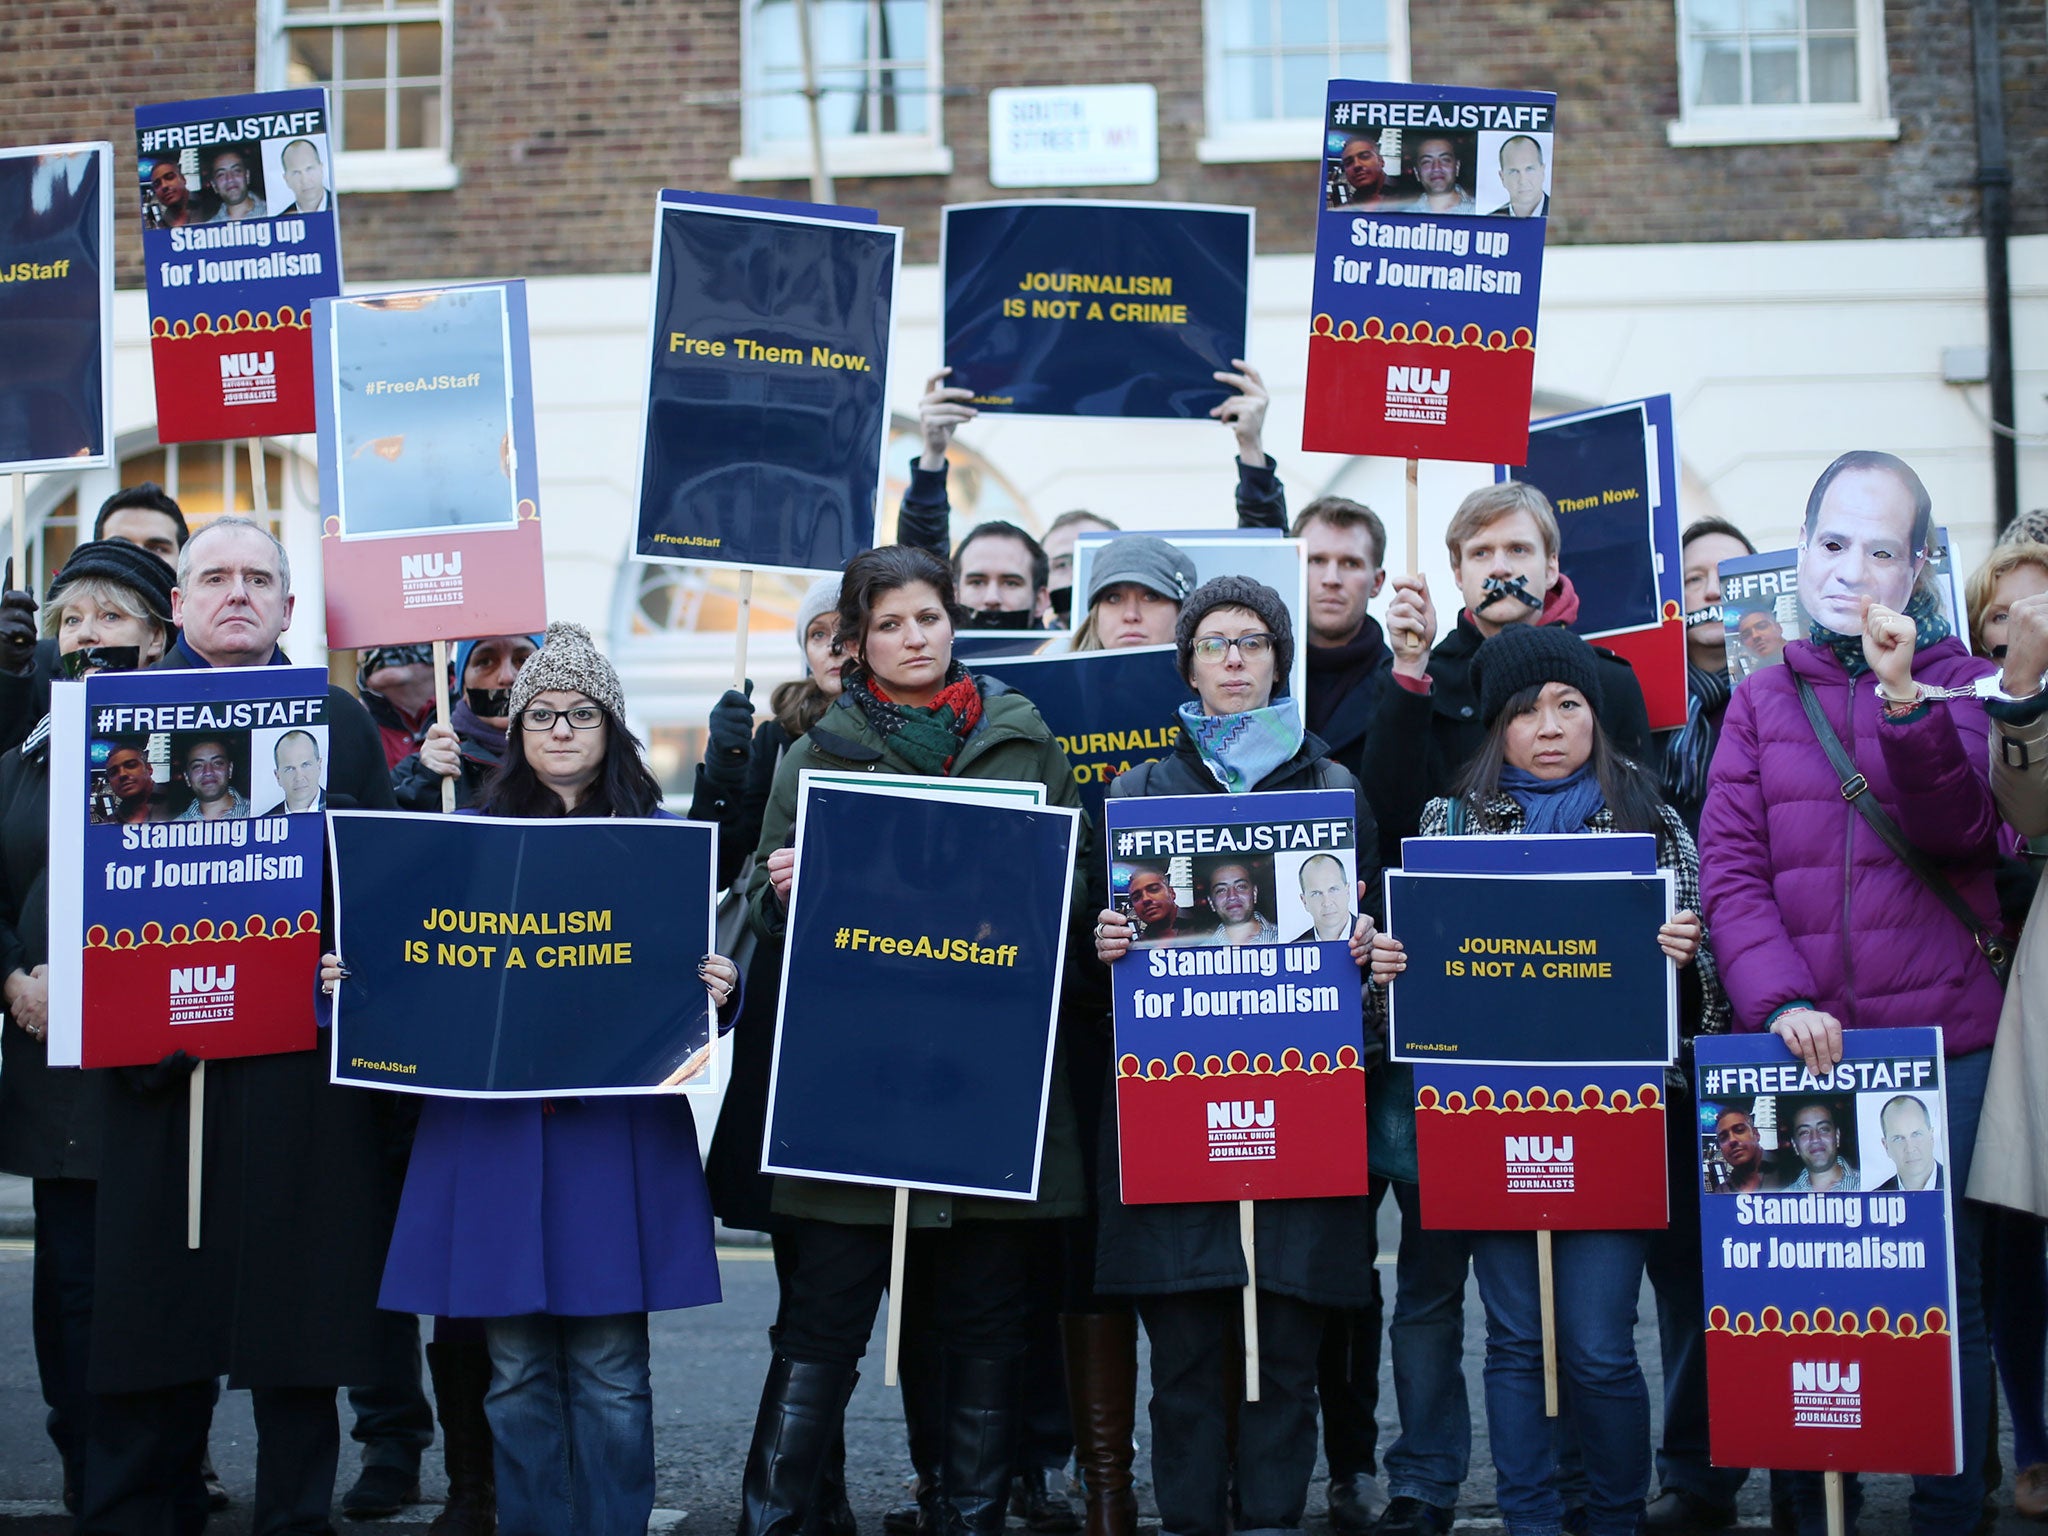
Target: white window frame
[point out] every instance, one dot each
(1869, 117)
(1294, 138)
(860, 154)
(370, 170)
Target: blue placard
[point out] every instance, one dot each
(1532, 968)
(496, 958)
(1618, 853)
(920, 988)
(1078, 308)
(56, 306)
(1599, 470)
(767, 386)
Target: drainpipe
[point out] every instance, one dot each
(1994, 203)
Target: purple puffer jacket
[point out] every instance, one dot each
(1802, 899)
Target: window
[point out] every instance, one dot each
(1768, 71)
(877, 65)
(1270, 63)
(386, 64)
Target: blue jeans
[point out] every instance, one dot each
(1597, 1276)
(572, 1417)
(1943, 1506)
(1427, 1337)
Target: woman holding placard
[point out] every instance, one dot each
(1547, 767)
(1184, 1263)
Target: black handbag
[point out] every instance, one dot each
(1991, 945)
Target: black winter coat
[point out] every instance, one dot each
(1318, 1251)
(299, 1187)
(1344, 694)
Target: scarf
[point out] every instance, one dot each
(1336, 671)
(1929, 627)
(927, 738)
(1242, 749)
(1553, 805)
(1690, 749)
(480, 741)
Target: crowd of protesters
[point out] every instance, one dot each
(538, 1236)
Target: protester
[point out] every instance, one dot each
(1819, 927)
(1184, 1263)
(1061, 534)
(2015, 571)
(594, 1212)
(907, 707)
(1136, 584)
(473, 741)
(397, 685)
(1547, 767)
(298, 1183)
(1690, 749)
(110, 607)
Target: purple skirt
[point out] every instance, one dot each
(575, 1207)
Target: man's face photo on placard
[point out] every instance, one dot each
(126, 785)
(1512, 178)
(1317, 896)
(1906, 1131)
(1821, 1134)
(234, 175)
(213, 773)
(299, 165)
(1163, 912)
(290, 770)
(1238, 891)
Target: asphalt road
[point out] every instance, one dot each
(708, 1365)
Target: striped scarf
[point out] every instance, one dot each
(928, 738)
(1242, 749)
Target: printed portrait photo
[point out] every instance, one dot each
(288, 769)
(1316, 895)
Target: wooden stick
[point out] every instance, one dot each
(441, 717)
(21, 532)
(1548, 1297)
(1831, 1485)
(1414, 518)
(194, 1134)
(1251, 1303)
(893, 1341)
(739, 629)
(259, 489)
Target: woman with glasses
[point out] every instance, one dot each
(562, 1223)
(1184, 1264)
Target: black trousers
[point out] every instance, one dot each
(1348, 1376)
(1197, 1338)
(394, 1420)
(61, 1312)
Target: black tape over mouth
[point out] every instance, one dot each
(1516, 587)
(99, 658)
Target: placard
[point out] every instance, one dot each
(1076, 307)
(238, 243)
(1239, 1026)
(1830, 1280)
(186, 816)
(921, 978)
(494, 958)
(428, 479)
(56, 306)
(767, 403)
(1422, 342)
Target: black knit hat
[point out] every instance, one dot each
(129, 565)
(1528, 656)
(1237, 592)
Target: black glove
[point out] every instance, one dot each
(172, 1072)
(17, 627)
(731, 741)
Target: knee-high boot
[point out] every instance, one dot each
(803, 1405)
(462, 1374)
(980, 1417)
(1102, 1396)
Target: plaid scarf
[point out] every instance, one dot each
(927, 738)
(1929, 629)
(1242, 749)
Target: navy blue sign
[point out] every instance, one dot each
(1109, 709)
(1072, 308)
(920, 988)
(56, 300)
(493, 958)
(1531, 968)
(766, 399)
(1595, 469)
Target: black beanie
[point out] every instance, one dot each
(1237, 592)
(128, 565)
(1528, 656)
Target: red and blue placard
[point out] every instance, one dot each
(1825, 1221)
(236, 196)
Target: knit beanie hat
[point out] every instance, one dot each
(1237, 592)
(464, 649)
(1528, 656)
(568, 659)
(375, 658)
(822, 596)
(1152, 563)
(125, 564)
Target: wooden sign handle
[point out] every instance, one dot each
(1547, 1296)
(899, 1234)
(441, 718)
(1251, 1303)
(194, 1135)
(739, 629)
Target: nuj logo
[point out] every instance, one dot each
(1826, 1376)
(428, 567)
(247, 365)
(1539, 1149)
(1418, 394)
(1404, 380)
(1826, 1394)
(1239, 1114)
(202, 994)
(202, 978)
(1241, 1129)
(1540, 1164)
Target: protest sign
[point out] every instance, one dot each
(1830, 1279)
(1239, 1025)
(1428, 265)
(926, 944)
(1109, 709)
(1612, 476)
(56, 307)
(428, 476)
(761, 445)
(495, 958)
(1761, 608)
(1073, 307)
(185, 863)
(238, 241)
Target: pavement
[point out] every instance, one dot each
(708, 1364)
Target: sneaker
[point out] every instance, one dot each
(1680, 1512)
(1356, 1503)
(1405, 1516)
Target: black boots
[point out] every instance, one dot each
(803, 1404)
(462, 1374)
(1102, 1397)
(981, 1435)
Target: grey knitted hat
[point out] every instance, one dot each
(1152, 563)
(821, 597)
(1238, 592)
(569, 659)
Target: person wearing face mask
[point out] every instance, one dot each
(469, 746)
(108, 609)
